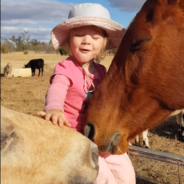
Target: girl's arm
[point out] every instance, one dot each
(55, 98)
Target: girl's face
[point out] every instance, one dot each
(86, 43)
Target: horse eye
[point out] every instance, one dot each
(149, 16)
(135, 46)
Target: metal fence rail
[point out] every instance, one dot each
(157, 155)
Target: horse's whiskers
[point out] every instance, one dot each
(119, 150)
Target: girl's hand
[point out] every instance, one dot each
(55, 116)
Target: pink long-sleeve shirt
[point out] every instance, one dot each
(67, 93)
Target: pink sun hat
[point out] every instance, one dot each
(88, 14)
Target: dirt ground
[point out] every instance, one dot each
(27, 95)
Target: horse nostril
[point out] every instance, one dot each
(89, 131)
(113, 146)
(94, 155)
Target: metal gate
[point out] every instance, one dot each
(158, 155)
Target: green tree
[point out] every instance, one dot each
(7, 46)
(22, 41)
(4, 49)
(19, 44)
(62, 51)
(25, 39)
(34, 43)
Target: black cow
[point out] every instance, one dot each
(35, 64)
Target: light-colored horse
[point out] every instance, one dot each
(33, 151)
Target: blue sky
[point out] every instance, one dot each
(39, 17)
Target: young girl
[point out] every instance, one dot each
(87, 33)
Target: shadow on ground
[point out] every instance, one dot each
(168, 129)
(140, 180)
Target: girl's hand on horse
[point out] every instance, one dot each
(56, 116)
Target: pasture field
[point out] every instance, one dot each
(27, 95)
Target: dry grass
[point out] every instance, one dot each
(27, 95)
(19, 59)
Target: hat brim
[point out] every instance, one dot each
(114, 30)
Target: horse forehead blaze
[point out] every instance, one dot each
(144, 83)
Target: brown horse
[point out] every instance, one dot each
(146, 78)
(33, 151)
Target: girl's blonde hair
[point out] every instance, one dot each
(98, 58)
